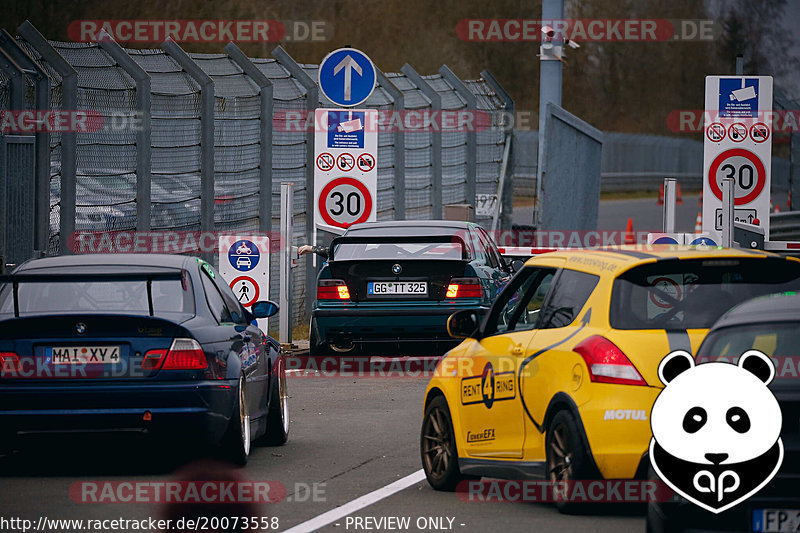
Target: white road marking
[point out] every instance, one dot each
(359, 503)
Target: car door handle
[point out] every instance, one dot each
(517, 349)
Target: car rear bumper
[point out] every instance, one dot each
(376, 326)
(198, 409)
(617, 424)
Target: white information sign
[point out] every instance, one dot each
(244, 265)
(737, 144)
(346, 169)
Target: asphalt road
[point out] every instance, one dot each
(348, 438)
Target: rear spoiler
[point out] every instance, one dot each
(429, 239)
(30, 277)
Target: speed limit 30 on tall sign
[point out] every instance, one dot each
(737, 144)
(346, 192)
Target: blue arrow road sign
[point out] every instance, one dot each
(347, 77)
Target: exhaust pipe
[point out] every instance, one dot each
(342, 346)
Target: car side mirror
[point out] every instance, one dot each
(264, 309)
(516, 266)
(463, 324)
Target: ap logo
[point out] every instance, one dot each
(716, 429)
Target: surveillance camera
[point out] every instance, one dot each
(573, 44)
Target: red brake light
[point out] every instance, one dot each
(464, 288)
(607, 363)
(184, 354)
(9, 363)
(332, 289)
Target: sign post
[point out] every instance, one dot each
(244, 265)
(287, 257)
(737, 145)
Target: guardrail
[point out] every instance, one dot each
(784, 226)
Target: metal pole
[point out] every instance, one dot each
(740, 65)
(69, 140)
(501, 184)
(549, 91)
(669, 205)
(727, 212)
(508, 192)
(285, 284)
(41, 102)
(143, 144)
(206, 135)
(472, 139)
(435, 99)
(312, 102)
(399, 138)
(265, 149)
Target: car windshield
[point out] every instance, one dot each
(432, 250)
(693, 294)
(171, 298)
(779, 340)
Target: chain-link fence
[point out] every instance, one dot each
(192, 142)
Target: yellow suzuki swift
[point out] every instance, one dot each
(557, 380)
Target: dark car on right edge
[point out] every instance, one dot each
(770, 324)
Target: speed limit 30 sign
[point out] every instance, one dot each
(346, 192)
(737, 145)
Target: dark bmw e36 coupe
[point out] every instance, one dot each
(391, 286)
(154, 344)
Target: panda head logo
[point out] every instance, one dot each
(716, 428)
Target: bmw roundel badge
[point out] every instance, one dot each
(396, 269)
(80, 328)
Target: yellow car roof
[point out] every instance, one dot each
(613, 260)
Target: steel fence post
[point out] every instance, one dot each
(265, 150)
(398, 104)
(312, 102)
(69, 140)
(472, 138)
(206, 135)
(508, 185)
(143, 141)
(41, 103)
(436, 156)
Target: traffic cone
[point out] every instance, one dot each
(660, 200)
(777, 209)
(698, 222)
(629, 238)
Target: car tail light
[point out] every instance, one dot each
(184, 354)
(464, 288)
(9, 363)
(607, 363)
(332, 289)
